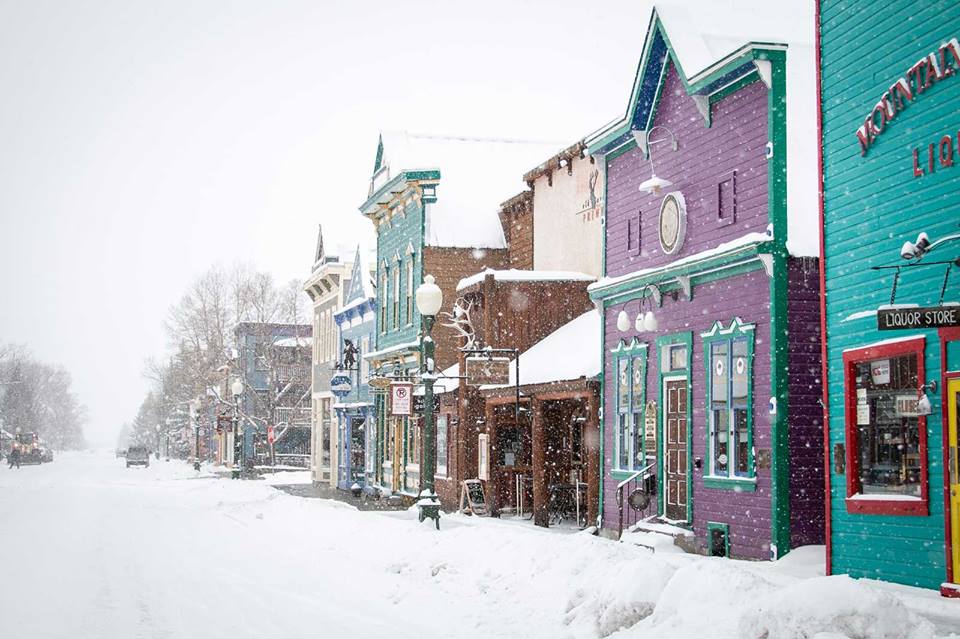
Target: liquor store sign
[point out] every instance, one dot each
(893, 319)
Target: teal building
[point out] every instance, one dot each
(889, 128)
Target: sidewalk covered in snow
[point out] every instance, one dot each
(545, 454)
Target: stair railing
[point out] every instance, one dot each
(634, 478)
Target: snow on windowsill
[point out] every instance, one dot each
(884, 497)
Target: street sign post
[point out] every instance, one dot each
(400, 398)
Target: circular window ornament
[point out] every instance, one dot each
(722, 459)
(718, 365)
(741, 365)
(673, 222)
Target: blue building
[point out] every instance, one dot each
(356, 322)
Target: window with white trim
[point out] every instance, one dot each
(409, 313)
(729, 360)
(396, 296)
(442, 444)
(631, 363)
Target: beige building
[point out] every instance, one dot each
(327, 287)
(568, 191)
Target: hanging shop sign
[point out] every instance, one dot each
(488, 370)
(893, 319)
(379, 383)
(935, 66)
(401, 394)
(419, 403)
(341, 384)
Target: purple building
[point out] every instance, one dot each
(710, 295)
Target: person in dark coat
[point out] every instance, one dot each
(15, 456)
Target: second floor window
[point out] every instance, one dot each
(383, 301)
(409, 297)
(396, 297)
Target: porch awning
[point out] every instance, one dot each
(571, 352)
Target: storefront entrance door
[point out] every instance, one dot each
(953, 412)
(675, 448)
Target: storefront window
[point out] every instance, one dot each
(325, 421)
(885, 433)
(729, 360)
(413, 441)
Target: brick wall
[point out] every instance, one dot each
(516, 217)
(448, 266)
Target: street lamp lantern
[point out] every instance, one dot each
(237, 387)
(429, 301)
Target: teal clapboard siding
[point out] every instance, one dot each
(872, 205)
(394, 238)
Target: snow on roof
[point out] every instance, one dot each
(702, 33)
(290, 342)
(444, 383)
(570, 352)
(476, 175)
(515, 275)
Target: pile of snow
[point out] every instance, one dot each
(517, 275)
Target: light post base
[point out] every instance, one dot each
(196, 466)
(428, 506)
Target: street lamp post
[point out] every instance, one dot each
(237, 389)
(158, 443)
(195, 406)
(429, 301)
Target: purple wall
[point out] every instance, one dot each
(706, 156)
(805, 430)
(745, 296)
(736, 140)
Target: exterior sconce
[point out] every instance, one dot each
(923, 402)
(645, 321)
(645, 140)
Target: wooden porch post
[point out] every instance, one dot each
(591, 438)
(541, 497)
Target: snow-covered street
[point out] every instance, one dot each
(93, 549)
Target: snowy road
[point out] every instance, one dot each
(92, 549)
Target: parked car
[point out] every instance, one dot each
(46, 453)
(138, 456)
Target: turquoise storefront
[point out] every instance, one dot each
(889, 82)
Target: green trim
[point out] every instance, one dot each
(738, 484)
(369, 205)
(601, 422)
(732, 261)
(736, 331)
(713, 525)
(734, 86)
(627, 146)
(620, 475)
(685, 338)
(779, 373)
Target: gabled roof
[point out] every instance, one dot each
(714, 44)
(362, 286)
(475, 176)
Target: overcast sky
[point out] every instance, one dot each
(141, 142)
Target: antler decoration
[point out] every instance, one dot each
(460, 322)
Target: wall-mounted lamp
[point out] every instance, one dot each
(923, 402)
(645, 141)
(645, 321)
(923, 245)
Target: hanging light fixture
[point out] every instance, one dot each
(645, 140)
(623, 322)
(923, 402)
(645, 321)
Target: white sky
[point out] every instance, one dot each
(140, 142)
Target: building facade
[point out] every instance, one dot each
(889, 145)
(326, 286)
(356, 322)
(274, 363)
(709, 327)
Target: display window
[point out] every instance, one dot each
(886, 437)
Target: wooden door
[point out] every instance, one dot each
(675, 449)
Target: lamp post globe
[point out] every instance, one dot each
(237, 388)
(429, 297)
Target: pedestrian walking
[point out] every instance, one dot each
(15, 456)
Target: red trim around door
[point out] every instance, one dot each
(947, 335)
